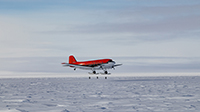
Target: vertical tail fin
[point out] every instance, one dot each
(72, 59)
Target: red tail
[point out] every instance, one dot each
(72, 59)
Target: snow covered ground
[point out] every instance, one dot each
(115, 94)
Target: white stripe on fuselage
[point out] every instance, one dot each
(105, 66)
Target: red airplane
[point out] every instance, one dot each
(99, 64)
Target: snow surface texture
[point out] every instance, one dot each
(115, 94)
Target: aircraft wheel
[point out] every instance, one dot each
(106, 72)
(97, 77)
(94, 72)
(89, 77)
(105, 77)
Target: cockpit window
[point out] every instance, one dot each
(110, 61)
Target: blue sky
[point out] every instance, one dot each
(154, 34)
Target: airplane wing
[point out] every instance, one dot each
(81, 66)
(117, 65)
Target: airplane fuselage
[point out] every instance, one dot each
(99, 64)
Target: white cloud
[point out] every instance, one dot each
(154, 30)
(16, 39)
(12, 36)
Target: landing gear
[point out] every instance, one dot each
(97, 74)
(106, 72)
